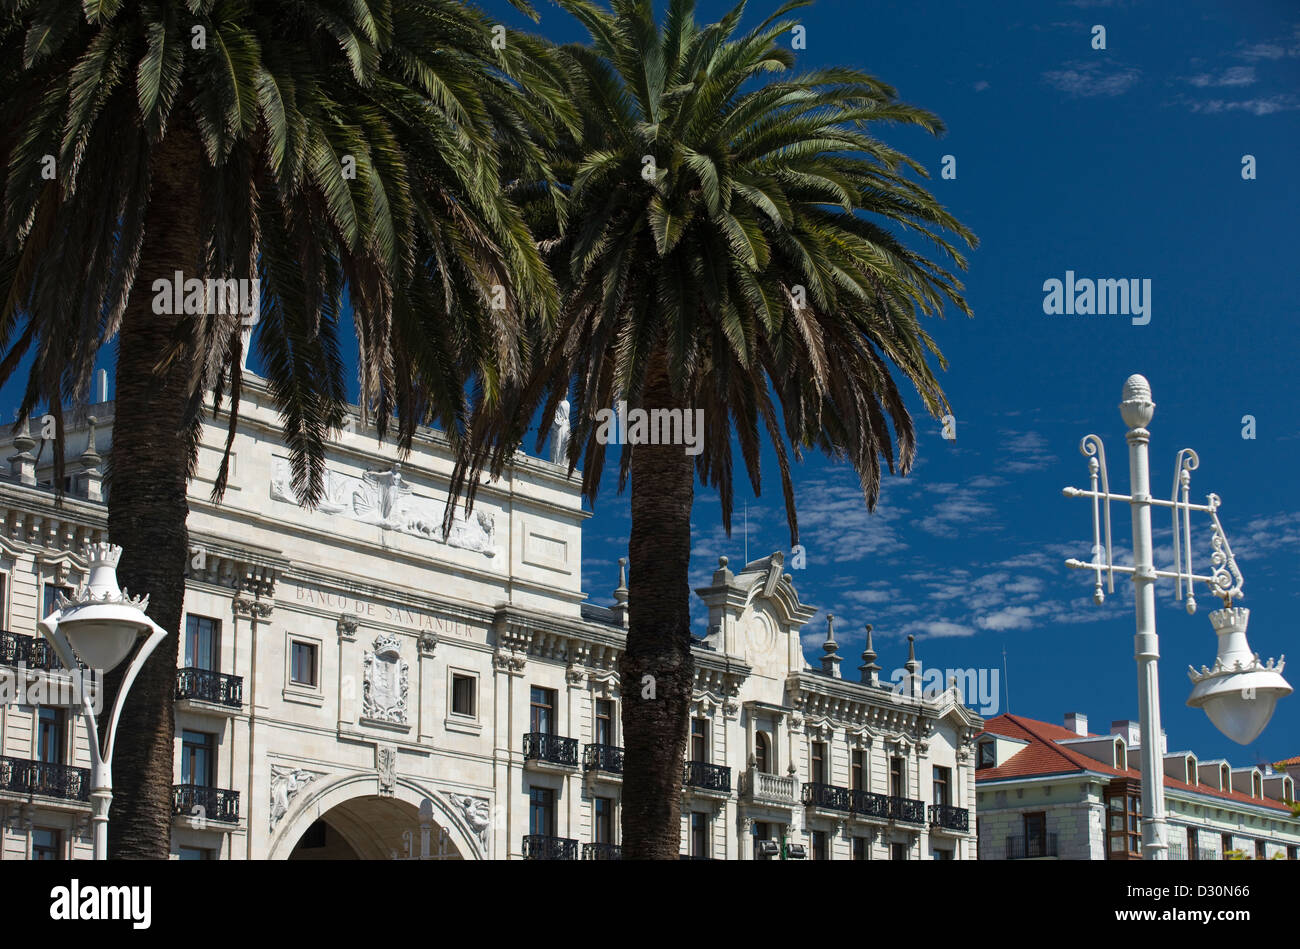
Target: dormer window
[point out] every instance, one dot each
(1192, 777)
(987, 755)
(1121, 759)
(1225, 777)
(1256, 785)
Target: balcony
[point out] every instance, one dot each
(907, 810)
(1035, 849)
(603, 759)
(827, 797)
(206, 688)
(709, 779)
(21, 776)
(33, 651)
(869, 806)
(544, 847)
(550, 752)
(759, 787)
(602, 852)
(947, 817)
(197, 803)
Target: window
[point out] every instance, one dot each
(197, 853)
(1260, 850)
(4, 579)
(49, 603)
(197, 758)
(541, 811)
(898, 851)
(50, 732)
(860, 848)
(819, 845)
(940, 854)
(602, 820)
(302, 663)
(942, 785)
(1225, 842)
(817, 771)
(541, 712)
(762, 754)
(201, 634)
(987, 755)
(897, 788)
(604, 722)
(699, 739)
(462, 695)
(1256, 785)
(1191, 844)
(1293, 853)
(858, 771)
(1123, 822)
(1036, 834)
(47, 844)
(699, 834)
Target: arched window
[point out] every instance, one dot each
(762, 754)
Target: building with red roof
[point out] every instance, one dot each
(1053, 791)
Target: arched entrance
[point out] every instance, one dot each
(348, 819)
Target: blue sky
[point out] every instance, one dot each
(1116, 163)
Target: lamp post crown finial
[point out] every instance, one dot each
(1137, 407)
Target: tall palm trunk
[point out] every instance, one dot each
(657, 671)
(147, 506)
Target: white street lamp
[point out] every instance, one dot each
(100, 625)
(1239, 693)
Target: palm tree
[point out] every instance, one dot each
(341, 152)
(733, 234)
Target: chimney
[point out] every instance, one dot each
(1130, 731)
(1077, 722)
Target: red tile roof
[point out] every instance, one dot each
(1044, 756)
(1288, 762)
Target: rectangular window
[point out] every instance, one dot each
(817, 770)
(302, 668)
(541, 712)
(197, 758)
(195, 853)
(987, 755)
(898, 851)
(49, 601)
(1036, 834)
(1225, 840)
(541, 811)
(699, 739)
(602, 820)
(860, 848)
(201, 635)
(1260, 850)
(1123, 823)
(1191, 844)
(819, 845)
(897, 787)
(462, 695)
(4, 603)
(50, 732)
(1293, 853)
(47, 844)
(942, 785)
(699, 834)
(941, 854)
(858, 771)
(604, 732)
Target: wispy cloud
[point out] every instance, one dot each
(1087, 79)
(1232, 76)
(1283, 102)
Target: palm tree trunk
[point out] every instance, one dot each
(147, 505)
(657, 671)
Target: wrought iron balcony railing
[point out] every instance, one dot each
(816, 794)
(204, 803)
(1020, 849)
(208, 686)
(23, 776)
(907, 809)
(869, 804)
(602, 852)
(952, 818)
(608, 758)
(34, 651)
(707, 777)
(539, 746)
(544, 847)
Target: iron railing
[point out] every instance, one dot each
(707, 777)
(34, 651)
(907, 810)
(24, 776)
(1018, 848)
(602, 852)
(952, 818)
(829, 796)
(545, 847)
(603, 758)
(869, 804)
(539, 746)
(217, 804)
(208, 686)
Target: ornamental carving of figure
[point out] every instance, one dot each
(385, 681)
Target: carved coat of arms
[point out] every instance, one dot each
(385, 682)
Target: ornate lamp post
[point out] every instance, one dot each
(1239, 693)
(101, 625)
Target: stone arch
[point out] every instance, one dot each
(319, 798)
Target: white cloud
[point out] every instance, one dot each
(1086, 79)
(1233, 76)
